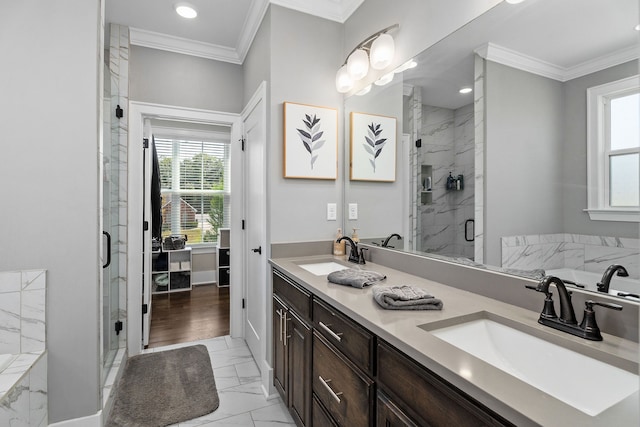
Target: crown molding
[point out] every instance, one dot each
(251, 26)
(514, 59)
(169, 43)
(334, 10)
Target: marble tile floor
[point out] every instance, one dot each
(242, 402)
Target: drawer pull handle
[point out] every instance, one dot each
(279, 313)
(333, 393)
(336, 336)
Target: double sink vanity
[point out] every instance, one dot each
(341, 359)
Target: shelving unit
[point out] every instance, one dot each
(171, 271)
(224, 255)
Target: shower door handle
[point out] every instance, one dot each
(469, 229)
(108, 249)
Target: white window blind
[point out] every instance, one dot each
(195, 188)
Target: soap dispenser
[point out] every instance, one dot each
(339, 248)
(354, 236)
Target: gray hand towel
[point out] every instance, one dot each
(355, 278)
(405, 297)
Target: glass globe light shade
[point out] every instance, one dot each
(358, 64)
(343, 80)
(387, 78)
(382, 51)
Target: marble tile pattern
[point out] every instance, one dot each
(575, 251)
(23, 383)
(415, 124)
(448, 146)
(478, 106)
(242, 399)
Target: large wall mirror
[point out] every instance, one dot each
(497, 177)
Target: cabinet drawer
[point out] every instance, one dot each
(319, 417)
(343, 390)
(223, 257)
(424, 396)
(350, 338)
(296, 297)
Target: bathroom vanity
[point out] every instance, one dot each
(340, 359)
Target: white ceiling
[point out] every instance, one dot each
(223, 29)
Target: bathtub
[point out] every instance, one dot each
(589, 280)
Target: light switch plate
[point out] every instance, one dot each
(332, 209)
(353, 211)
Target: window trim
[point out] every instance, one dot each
(597, 153)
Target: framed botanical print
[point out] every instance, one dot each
(373, 148)
(310, 141)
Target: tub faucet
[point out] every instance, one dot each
(603, 285)
(385, 244)
(354, 255)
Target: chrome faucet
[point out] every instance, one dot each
(385, 244)
(603, 285)
(354, 255)
(587, 329)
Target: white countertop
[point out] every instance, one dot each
(512, 398)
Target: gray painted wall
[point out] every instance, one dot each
(303, 71)
(257, 63)
(169, 78)
(523, 175)
(574, 152)
(50, 165)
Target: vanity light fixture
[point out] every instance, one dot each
(364, 90)
(376, 51)
(186, 10)
(465, 90)
(406, 66)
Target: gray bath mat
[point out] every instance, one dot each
(163, 388)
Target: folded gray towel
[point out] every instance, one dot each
(405, 297)
(355, 278)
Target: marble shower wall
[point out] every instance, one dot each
(447, 146)
(575, 251)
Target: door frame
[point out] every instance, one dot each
(138, 112)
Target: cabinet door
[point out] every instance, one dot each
(320, 416)
(341, 388)
(279, 350)
(389, 415)
(299, 355)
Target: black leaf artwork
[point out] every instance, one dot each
(311, 137)
(373, 145)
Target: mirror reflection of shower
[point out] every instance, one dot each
(444, 177)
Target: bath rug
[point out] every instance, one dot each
(163, 388)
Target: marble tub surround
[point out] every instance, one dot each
(22, 311)
(513, 399)
(23, 383)
(574, 251)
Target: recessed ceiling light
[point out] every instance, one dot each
(466, 90)
(186, 10)
(514, 1)
(637, 27)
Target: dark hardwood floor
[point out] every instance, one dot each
(188, 316)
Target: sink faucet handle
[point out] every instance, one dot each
(361, 257)
(588, 325)
(548, 310)
(589, 305)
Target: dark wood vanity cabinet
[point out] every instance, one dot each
(292, 348)
(422, 397)
(332, 372)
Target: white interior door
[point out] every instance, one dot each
(254, 317)
(146, 244)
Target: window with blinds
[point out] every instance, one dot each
(195, 188)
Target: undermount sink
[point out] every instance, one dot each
(322, 268)
(586, 383)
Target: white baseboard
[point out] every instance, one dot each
(202, 277)
(90, 421)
